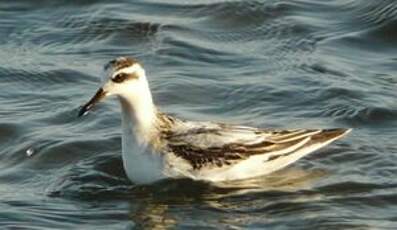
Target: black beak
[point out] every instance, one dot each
(96, 98)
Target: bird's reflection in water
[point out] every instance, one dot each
(287, 180)
(152, 216)
(168, 198)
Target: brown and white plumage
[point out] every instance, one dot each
(156, 145)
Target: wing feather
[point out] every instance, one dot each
(220, 145)
(215, 145)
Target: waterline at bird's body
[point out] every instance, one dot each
(156, 145)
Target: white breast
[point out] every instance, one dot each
(141, 165)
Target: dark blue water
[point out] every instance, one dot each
(289, 64)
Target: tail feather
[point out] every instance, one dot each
(328, 135)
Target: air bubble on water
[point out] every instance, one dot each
(30, 151)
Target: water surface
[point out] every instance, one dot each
(281, 64)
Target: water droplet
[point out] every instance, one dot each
(29, 152)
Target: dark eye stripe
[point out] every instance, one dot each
(119, 77)
(124, 76)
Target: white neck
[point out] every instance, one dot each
(139, 114)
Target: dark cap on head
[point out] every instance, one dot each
(120, 62)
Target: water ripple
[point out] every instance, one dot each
(286, 64)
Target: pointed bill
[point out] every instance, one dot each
(99, 95)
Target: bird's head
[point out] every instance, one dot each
(124, 77)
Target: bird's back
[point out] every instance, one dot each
(213, 151)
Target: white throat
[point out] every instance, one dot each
(139, 127)
(139, 113)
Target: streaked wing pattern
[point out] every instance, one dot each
(227, 145)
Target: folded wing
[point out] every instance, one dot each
(209, 145)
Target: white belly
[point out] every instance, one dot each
(142, 166)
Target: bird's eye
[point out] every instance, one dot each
(119, 77)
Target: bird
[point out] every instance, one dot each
(157, 146)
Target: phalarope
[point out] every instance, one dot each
(157, 146)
